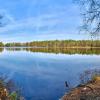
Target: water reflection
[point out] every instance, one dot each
(59, 50)
(1, 49)
(42, 76)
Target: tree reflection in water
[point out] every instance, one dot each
(83, 51)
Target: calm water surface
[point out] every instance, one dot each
(41, 76)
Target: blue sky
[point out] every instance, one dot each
(29, 20)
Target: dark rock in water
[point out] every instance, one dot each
(66, 84)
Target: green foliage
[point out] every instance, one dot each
(1, 44)
(57, 44)
(13, 96)
(13, 44)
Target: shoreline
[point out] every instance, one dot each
(88, 91)
(54, 47)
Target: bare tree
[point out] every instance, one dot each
(90, 10)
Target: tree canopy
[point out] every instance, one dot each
(90, 10)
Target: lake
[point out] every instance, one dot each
(41, 74)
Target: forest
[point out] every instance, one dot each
(56, 44)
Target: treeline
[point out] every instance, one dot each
(56, 44)
(1, 44)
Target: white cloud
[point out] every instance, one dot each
(56, 20)
(49, 20)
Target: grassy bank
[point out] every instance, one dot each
(8, 91)
(89, 91)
